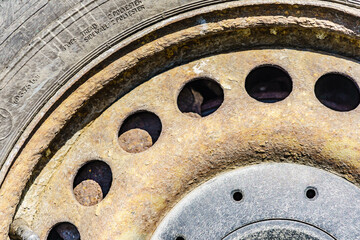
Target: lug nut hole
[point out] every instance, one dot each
(139, 132)
(337, 92)
(180, 238)
(311, 193)
(237, 195)
(268, 84)
(92, 183)
(200, 97)
(64, 231)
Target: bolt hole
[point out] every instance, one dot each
(237, 195)
(180, 238)
(200, 97)
(337, 92)
(139, 132)
(268, 84)
(92, 183)
(64, 231)
(311, 193)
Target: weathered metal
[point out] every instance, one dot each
(191, 150)
(213, 43)
(88, 193)
(276, 204)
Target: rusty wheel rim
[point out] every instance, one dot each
(297, 135)
(241, 131)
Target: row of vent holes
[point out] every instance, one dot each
(198, 98)
(91, 184)
(272, 84)
(237, 196)
(201, 97)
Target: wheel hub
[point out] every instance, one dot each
(267, 201)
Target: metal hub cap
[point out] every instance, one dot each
(279, 229)
(267, 201)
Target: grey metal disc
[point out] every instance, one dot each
(275, 199)
(279, 230)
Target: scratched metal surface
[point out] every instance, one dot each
(273, 199)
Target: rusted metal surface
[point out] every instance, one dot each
(88, 193)
(135, 140)
(190, 150)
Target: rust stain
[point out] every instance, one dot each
(243, 131)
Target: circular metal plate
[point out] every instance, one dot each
(269, 192)
(279, 230)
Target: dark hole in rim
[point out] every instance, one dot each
(64, 231)
(98, 171)
(237, 195)
(201, 97)
(180, 238)
(311, 193)
(145, 125)
(337, 92)
(268, 84)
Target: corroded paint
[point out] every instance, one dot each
(148, 184)
(191, 150)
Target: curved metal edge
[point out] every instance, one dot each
(271, 192)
